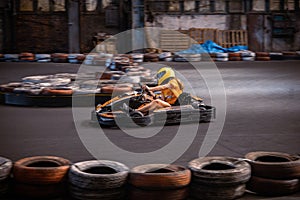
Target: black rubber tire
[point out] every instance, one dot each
(271, 187)
(198, 191)
(4, 188)
(41, 170)
(5, 168)
(99, 194)
(98, 174)
(220, 171)
(177, 194)
(39, 191)
(274, 165)
(159, 176)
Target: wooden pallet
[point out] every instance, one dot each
(229, 38)
(200, 35)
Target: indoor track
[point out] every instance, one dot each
(262, 114)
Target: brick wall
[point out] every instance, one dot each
(90, 24)
(41, 33)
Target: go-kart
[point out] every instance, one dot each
(112, 112)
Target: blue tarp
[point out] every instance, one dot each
(211, 47)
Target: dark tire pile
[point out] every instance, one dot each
(122, 75)
(45, 177)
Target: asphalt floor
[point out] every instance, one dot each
(260, 112)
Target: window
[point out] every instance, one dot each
(289, 5)
(258, 5)
(26, 5)
(220, 6)
(204, 6)
(236, 6)
(59, 5)
(41, 6)
(276, 5)
(91, 5)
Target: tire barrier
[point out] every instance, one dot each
(40, 177)
(175, 194)
(276, 170)
(276, 56)
(59, 57)
(5, 171)
(272, 187)
(187, 57)
(26, 56)
(262, 56)
(116, 89)
(41, 170)
(29, 191)
(44, 177)
(137, 57)
(11, 57)
(274, 165)
(219, 177)
(99, 194)
(166, 56)
(134, 58)
(151, 57)
(290, 55)
(199, 191)
(159, 176)
(43, 58)
(76, 58)
(97, 179)
(58, 90)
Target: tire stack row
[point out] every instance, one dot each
(5, 170)
(159, 181)
(262, 173)
(274, 173)
(40, 177)
(218, 178)
(98, 179)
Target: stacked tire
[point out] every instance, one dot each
(43, 58)
(218, 177)
(262, 56)
(166, 56)
(5, 169)
(248, 56)
(187, 57)
(151, 57)
(97, 179)
(222, 57)
(26, 57)
(234, 56)
(274, 173)
(137, 57)
(40, 177)
(59, 57)
(290, 55)
(159, 181)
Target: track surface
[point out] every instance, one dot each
(263, 113)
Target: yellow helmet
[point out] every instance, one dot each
(164, 74)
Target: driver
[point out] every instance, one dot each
(169, 86)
